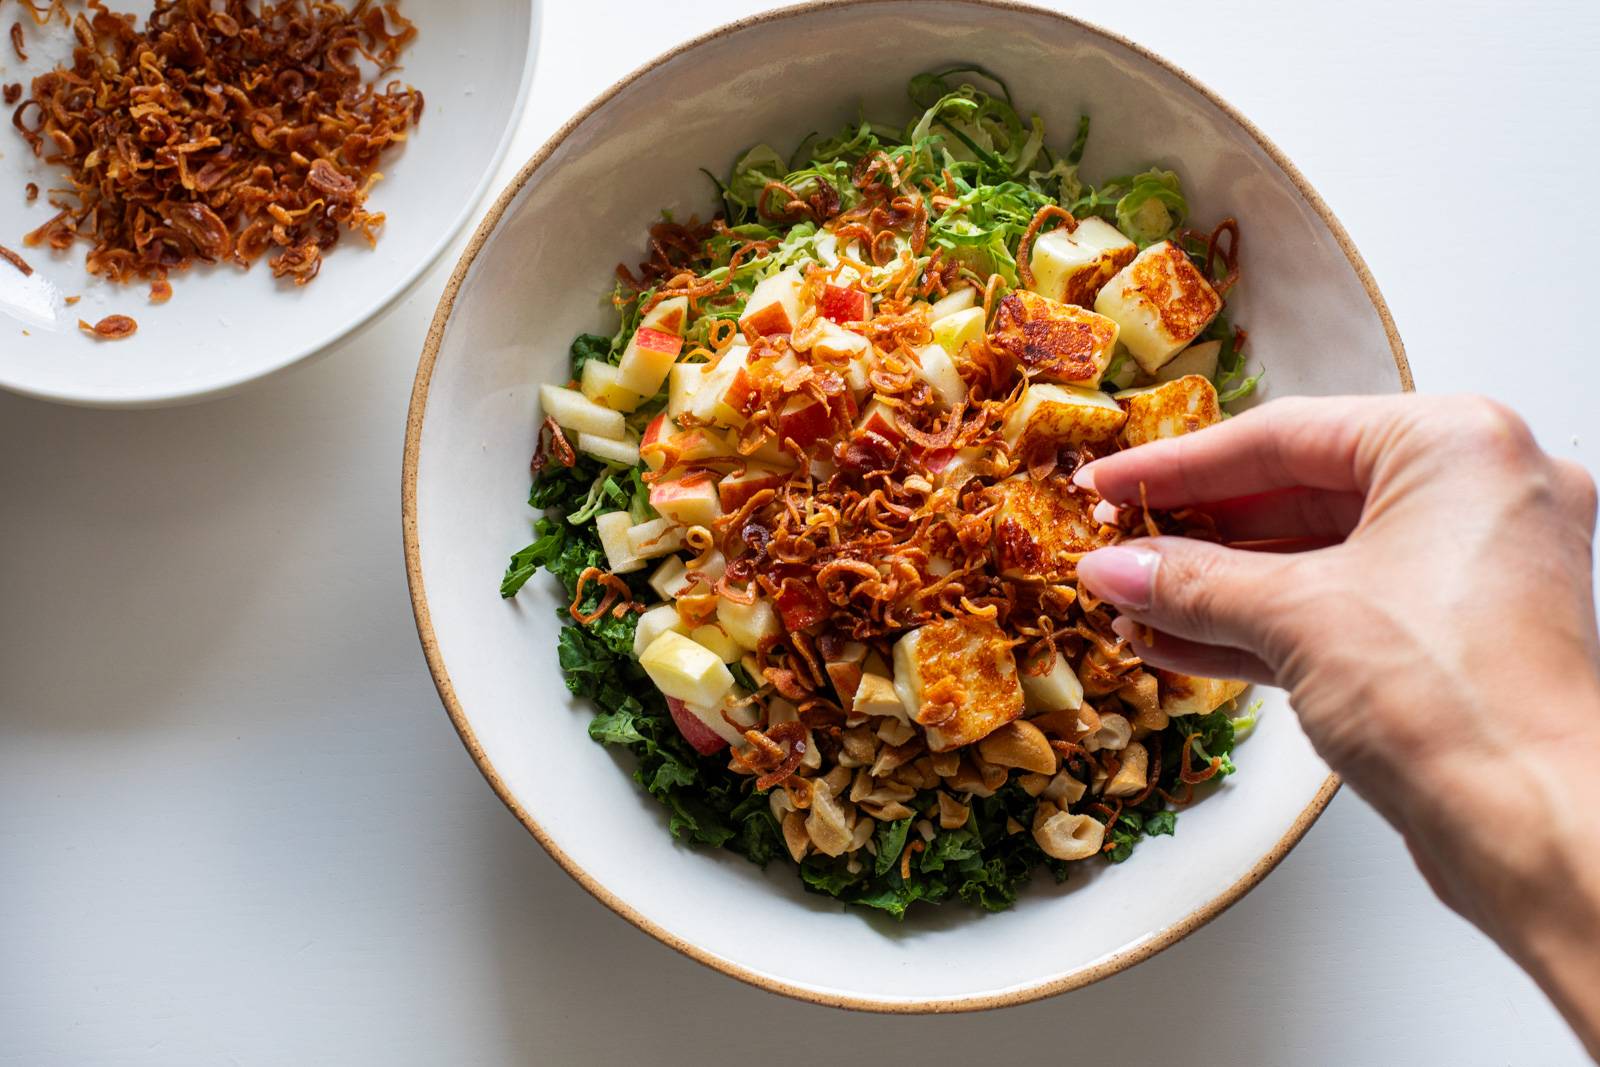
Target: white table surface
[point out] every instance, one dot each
(236, 827)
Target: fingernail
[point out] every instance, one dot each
(1125, 628)
(1122, 574)
(1083, 477)
(1105, 513)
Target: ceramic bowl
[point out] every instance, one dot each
(532, 278)
(473, 62)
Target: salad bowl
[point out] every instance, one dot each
(1317, 323)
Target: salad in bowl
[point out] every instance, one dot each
(812, 511)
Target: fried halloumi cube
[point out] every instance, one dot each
(1049, 414)
(1038, 524)
(1072, 267)
(1170, 409)
(958, 679)
(1161, 301)
(1057, 342)
(1184, 694)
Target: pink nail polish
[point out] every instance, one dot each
(1122, 574)
(1083, 477)
(1105, 513)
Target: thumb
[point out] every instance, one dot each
(1196, 590)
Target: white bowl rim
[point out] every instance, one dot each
(320, 346)
(1010, 997)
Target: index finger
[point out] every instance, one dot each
(1297, 442)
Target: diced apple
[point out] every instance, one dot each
(602, 383)
(622, 453)
(958, 329)
(576, 412)
(961, 299)
(613, 530)
(725, 390)
(842, 305)
(740, 486)
(668, 316)
(714, 637)
(686, 669)
(876, 696)
(689, 502)
(652, 624)
(749, 624)
(939, 371)
(710, 570)
(649, 356)
(670, 578)
(714, 717)
(879, 418)
(774, 305)
(701, 737)
(1058, 689)
(1198, 359)
(696, 446)
(805, 420)
(835, 344)
(654, 538)
(652, 445)
(1061, 415)
(682, 385)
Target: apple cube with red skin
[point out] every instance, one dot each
(648, 358)
(696, 445)
(698, 734)
(843, 305)
(668, 316)
(879, 419)
(740, 486)
(692, 503)
(805, 420)
(725, 390)
(652, 446)
(774, 304)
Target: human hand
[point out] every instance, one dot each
(1429, 605)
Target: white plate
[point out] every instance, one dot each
(473, 61)
(532, 278)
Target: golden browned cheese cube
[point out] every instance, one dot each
(1054, 341)
(958, 679)
(1170, 409)
(1039, 525)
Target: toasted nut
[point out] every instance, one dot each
(953, 814)
(1097, 674)
(781, 710)
(893, 756)
(994, 776)
(966, 779)
(865, 828)
(1113, 735)
(856, 719)
(861, 786)
(838, 780)
(1012, 826)
(795, 837)
(1064, 789)
(828, 825)
(945, 763)
(1067, 836)
(1062, 723)
(778, 800)
(812, 760)
(1132, 775)
(892, 731)
(1019, 744)
(924, 829)
(1033, 784)
(799, 792)
(1140, 693)
(893, 811)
